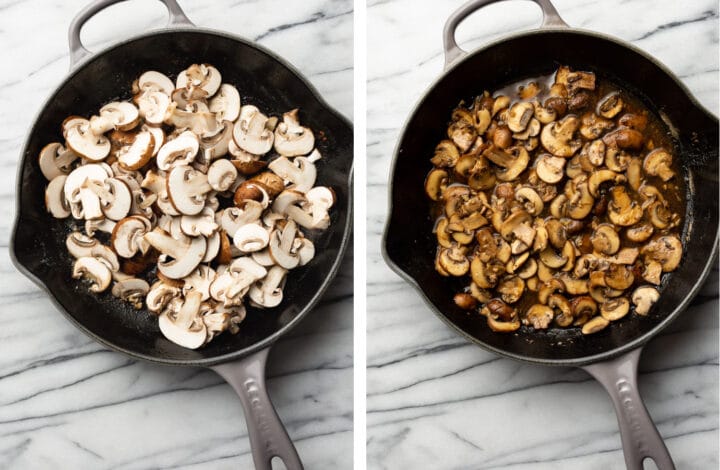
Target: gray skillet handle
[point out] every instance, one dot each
(640, 438)
(268, 437)
(77, 50)
(452, 51)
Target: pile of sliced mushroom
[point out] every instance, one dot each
(557, 204)
(200, 200)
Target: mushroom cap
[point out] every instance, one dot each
(251, 237)
(55, 201)
(250, 132)
(186, 189)
(221, 175)
(226, 103)
(186, 254)
(119, 206)
(136, 155)
(95, 270)
(154, 80)
(292, 139)
(120, 115)
(128, 236)
(55, 160)
(203, 76)
(131, 289)
(154, 106)
(186, 328)
(268, 292)
(179, 151)
(83, 142)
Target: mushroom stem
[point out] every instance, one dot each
(166, 244)
(189, 310)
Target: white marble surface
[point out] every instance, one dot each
(437, 402)
(65, 402)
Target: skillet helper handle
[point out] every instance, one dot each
(268, 437)
(78, 52)
(551, 18)
(640, 438)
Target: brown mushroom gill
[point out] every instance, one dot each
(608, 133)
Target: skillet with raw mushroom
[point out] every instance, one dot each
(188, 201)
(559, 208)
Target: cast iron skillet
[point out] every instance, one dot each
(38, 241)
(611, 356)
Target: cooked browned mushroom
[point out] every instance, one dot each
(644, 298)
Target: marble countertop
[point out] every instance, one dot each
(65, 402)
(436, 401)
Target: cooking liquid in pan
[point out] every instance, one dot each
(656, 134)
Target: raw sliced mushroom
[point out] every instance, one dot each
(185, 327)
(94, 270)
(268, 291)
(119, 115)
(226, 103)
(139, 153)
(127, 237)
(292, 139)
(251, 133)
(179, 151)
(55, 160)
(154, 106)
(186, 189)
(644, 298)
(131, 290)
(202, 76)
(81, 140)
(185, 254)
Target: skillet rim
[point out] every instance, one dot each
(238, 354)
(575, 362)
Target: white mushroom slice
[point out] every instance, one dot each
(128, 236)
(218, 145)
(79, 245)
(268, 292)
(107, 256)
(79, 190)
(321, 199)
(203, 76)
(119, 115)
(200, 224)
(118, 205)
(300, 172)
(251, 237)
(158, 137)
(305, 250)
(280, 246)
(186, 188)
(83, 142)
(226, 103)
(154, 106)
(233, 218)
(163, 203)
(179, 151)
(263, 258)
(201, 123)
(93, 270)
(185, 328)
(153, 80)
(251, 133)
(55, 160)
(213, 247)
(154, 181)
(55, 201)
(136, 155)
(221, 175)
(215, 322)
(131, 290)
(185, 254)
(292, 139)
(295, 205)
(199, 281)
(99, 225)
(160, 295)
(220, 287)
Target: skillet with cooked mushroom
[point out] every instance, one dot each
(187, 201)
(559, 204)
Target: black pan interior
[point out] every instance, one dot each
(38, 239)
(410, 246)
